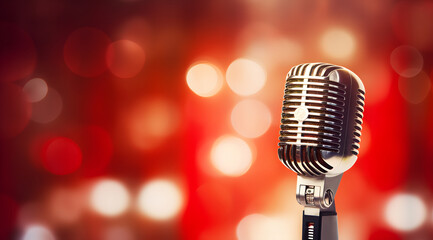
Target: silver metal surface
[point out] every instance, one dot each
(312, 191)
(329, 228)
(319, 138)
(321, 119)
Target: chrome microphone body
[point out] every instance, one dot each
(319, 138)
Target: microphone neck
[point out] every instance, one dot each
(317, 194)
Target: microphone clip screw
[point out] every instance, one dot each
(328, 199)
(309, 195)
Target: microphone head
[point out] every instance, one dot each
(321, 119)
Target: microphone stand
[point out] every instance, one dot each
(316, 194)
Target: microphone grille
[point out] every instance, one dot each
(317, 118)
(313, 108)
(359, 113)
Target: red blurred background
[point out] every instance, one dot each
(134, 119)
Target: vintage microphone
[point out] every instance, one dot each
(319, 139)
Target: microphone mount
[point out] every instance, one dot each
(316, 194)
(320, 133)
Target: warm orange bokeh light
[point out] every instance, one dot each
(204, 79)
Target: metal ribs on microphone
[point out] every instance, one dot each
(313, 124)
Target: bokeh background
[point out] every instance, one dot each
(139, 119)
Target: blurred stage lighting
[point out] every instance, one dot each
(245, 77)
(65, 205)
(273, 52)
(125, 58)
(160, 200)
(151, 121)
(352, 227)
(48, 109)
(365, 138)
(415, 89)
(61, 155)
(36, 89)
(37, 232)
(338, 43)
(109, 198)
(377, 78)
(119, 233)
(231, 156)
(251, 118)
(204, 79)
(407, 61)
(136, 29)
(405, 212)
(259, 227)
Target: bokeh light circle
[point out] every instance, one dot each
(204, 79)
(407, 61)
(160, 199)
(259, 227)
(109, 198)
(85, 51)
(253, 227)
(15, 110)
(49, 108)
(251, 118)
(231, 156)
(36, 89)
(245, 77)
(405, 212)
(38, 232)
(263, 42)
(125, 58)
(415, 89)
(61, 155)
(17, 53)
(338, 43)
(274, 52)
(150, 121)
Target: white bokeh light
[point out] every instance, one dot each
(160, 199)
(38, 232)
(338, 43)
(405, 212)
(251, 118)
(259, 227)
(245, 77)
(231, 156)
(204, 79)
(109, 198)
(36, 89)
